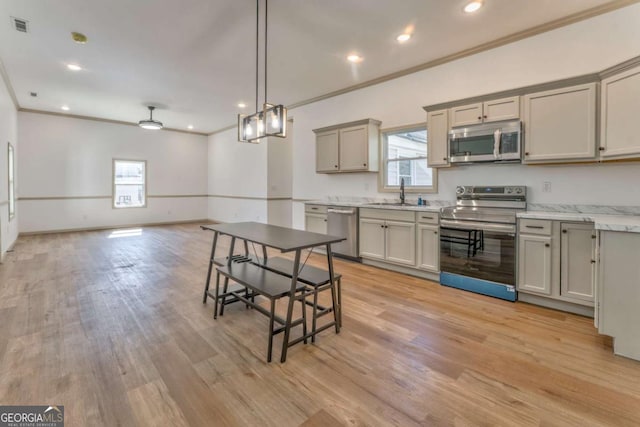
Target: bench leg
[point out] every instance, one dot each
(303, 302)
(211, 258)
(292, 295)
(225, 289)
(339, 285)
(215, 299)
(271, 320)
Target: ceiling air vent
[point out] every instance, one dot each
(20, 24)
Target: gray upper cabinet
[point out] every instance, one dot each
(485, 112)
(348, 147)
(620, 109)
(327, 151)
(560, 125)
(438, 138)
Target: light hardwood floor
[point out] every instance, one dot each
(114, 329)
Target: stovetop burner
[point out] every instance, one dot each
(497, 204)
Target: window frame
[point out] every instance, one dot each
(11, 180)
(113, 183)
(383, 187)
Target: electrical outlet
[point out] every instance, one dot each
(546, 187)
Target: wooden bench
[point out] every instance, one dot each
(264, 282)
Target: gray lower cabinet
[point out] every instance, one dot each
(386, 240)
(618, 311)
(557, 260)
(315, 218)
(428, 247)
(534, 264)
(577, 261)
(372, 238)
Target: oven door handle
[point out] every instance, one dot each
(475, 225)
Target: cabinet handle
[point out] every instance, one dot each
(325, 220)
(364, 164)
(427, 217)
(564, 231)
(593, 261)
(539, 227)
(382, 226)
(546, 245)
(435, 232)
(593, 236)
(526, 154)
(315, 209)
(444, 158)
(601, 148)
(479, 117)
(484, 117)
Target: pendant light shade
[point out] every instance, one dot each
(150, 124)
(272, 119)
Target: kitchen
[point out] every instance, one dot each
(410, 351)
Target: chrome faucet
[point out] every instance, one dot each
(402, 191)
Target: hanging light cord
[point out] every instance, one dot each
(266, 10)
(257, 46)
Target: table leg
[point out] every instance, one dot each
(337, 310)
(211, 258)
(292, 294)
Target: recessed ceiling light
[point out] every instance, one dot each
(473, 6)
(65, 107)
(78, 37)
(403, 37)
(241, 105)
(74, 67)
(190, 127)
(354, 58)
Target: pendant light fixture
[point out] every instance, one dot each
(272, 119)
(150, 124)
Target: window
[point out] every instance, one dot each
(129, 184)
(404, 156)
(12, 185)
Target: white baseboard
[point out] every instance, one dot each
(112, 227)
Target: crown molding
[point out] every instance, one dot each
(7, 82)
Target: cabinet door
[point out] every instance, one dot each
(372, 233)
(401, 242)
(354, 148)
(501, 109)
(465, 115)
(577, 261)
(437, 138)
(534, 264)
(620, 111)
(428, 247)
(327, 151)
(560, 124)
(315, 223)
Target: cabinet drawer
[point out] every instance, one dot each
(427, 217)
(535, 226)
(388, 214)
(315, 208)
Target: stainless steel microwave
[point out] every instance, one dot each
(489, 142)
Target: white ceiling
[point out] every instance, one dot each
(195, 59)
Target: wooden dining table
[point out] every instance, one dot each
(285, 240)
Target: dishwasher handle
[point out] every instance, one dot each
(341, 211)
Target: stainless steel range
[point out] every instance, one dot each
(478, 240)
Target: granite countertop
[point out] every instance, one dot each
(433, 206)
(609, 222)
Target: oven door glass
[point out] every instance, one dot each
(477, 145)
(481, 254)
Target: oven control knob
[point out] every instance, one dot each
(518, 190)
(508, 190)
(460, 190)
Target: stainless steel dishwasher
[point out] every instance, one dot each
(343, 221)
